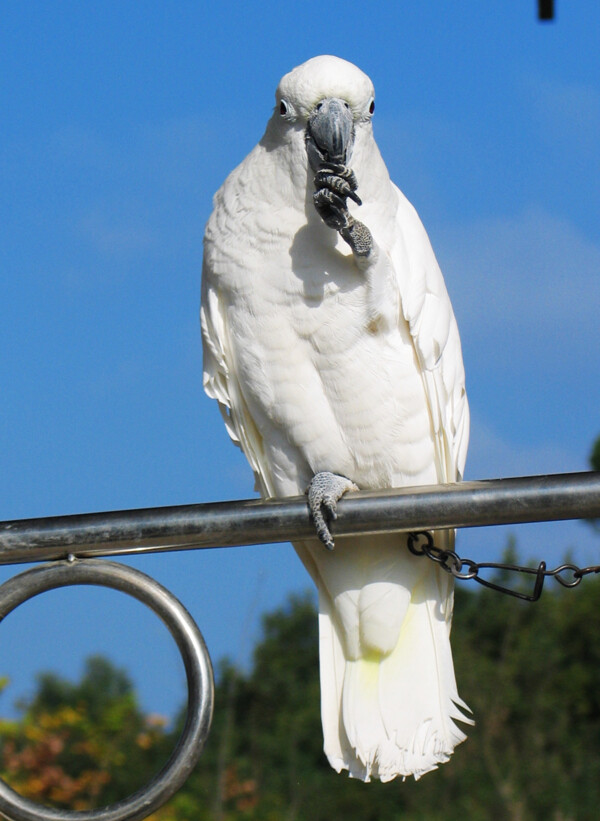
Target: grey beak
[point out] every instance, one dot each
(330, 133)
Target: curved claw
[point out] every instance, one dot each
(342, 184)
(334, 184)
(339, 170)
(331, 208)
(323, 493)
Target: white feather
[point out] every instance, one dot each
(320, 362)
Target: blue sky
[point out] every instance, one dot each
(119, 122)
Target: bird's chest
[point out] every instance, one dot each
(318, 381)
(315, 308)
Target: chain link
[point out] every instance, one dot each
(421, 543)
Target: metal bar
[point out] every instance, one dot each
(254, 521)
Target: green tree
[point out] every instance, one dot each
(595, 455)
(594, 462)
(82, 745)
(530, 673)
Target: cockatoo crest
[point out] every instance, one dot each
(321, 77)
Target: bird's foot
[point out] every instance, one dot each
(339, 179)
(323, 492)
(334, 183)
(331, 207)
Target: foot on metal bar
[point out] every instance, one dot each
(324, 492)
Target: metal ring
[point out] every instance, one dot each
(198, 670)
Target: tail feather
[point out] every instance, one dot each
(388, 712)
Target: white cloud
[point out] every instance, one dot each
(117, 229)
(148, 190)
(529, 276)
(492, 455)
(568, 114)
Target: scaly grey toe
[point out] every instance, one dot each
(323, 493)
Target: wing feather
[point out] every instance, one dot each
(426, 307)
(221, 383)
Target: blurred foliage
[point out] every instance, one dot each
(78, 746)
(594, 462)
(595, 455)
(530, 673)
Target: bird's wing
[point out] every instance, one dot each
(426, 308)
(221, 382)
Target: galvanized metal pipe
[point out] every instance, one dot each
(254, 521)
(470, 504)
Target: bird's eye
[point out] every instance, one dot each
(372, 106)
(284, 108)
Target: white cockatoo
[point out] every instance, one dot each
(331, 347)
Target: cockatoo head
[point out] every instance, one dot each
(329, 98)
